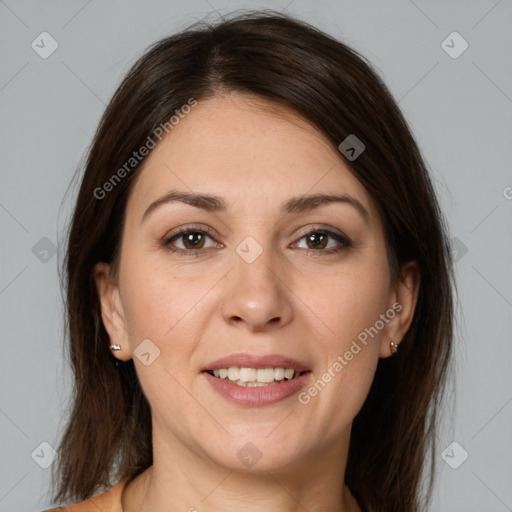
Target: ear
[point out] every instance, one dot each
(112, 313)
(403, 299)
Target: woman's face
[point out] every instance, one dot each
(261, 272)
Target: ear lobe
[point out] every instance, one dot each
(112, 314)
(403, 301)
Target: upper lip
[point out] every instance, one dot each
(244, 360)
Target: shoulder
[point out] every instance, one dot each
(108, 501)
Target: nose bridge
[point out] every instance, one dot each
(255, 266)
(257, 294)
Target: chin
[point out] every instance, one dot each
(257, 453)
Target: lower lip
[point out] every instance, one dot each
(256, 396)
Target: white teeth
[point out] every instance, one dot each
(246, 375)
(255, 377)
(264, 375)
(233, 373)
(279, 373)
(288, 374)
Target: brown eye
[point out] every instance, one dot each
(188, 240)
(193, 240)
(318, 241)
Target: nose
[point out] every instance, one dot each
(257, 295)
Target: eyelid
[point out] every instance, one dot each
(342, 239)
(190, 227)
(321, 228)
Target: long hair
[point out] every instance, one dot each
(292, 64)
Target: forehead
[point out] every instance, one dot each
(246, 149)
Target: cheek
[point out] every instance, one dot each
(349, 303)
(163, 309)
(347, 310)
(157, 299)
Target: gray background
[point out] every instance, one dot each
(460, 110)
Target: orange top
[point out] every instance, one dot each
(108, 501)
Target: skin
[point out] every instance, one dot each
(195, 309)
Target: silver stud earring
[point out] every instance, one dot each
(394, 347)
(115, 347)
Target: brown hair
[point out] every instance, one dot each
(293, 64)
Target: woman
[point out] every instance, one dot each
(259, 285)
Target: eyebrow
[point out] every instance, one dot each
(300, 204)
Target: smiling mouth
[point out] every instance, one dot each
(255, 377)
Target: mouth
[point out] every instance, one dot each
(256, 377)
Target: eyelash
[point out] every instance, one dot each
(343, 240)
